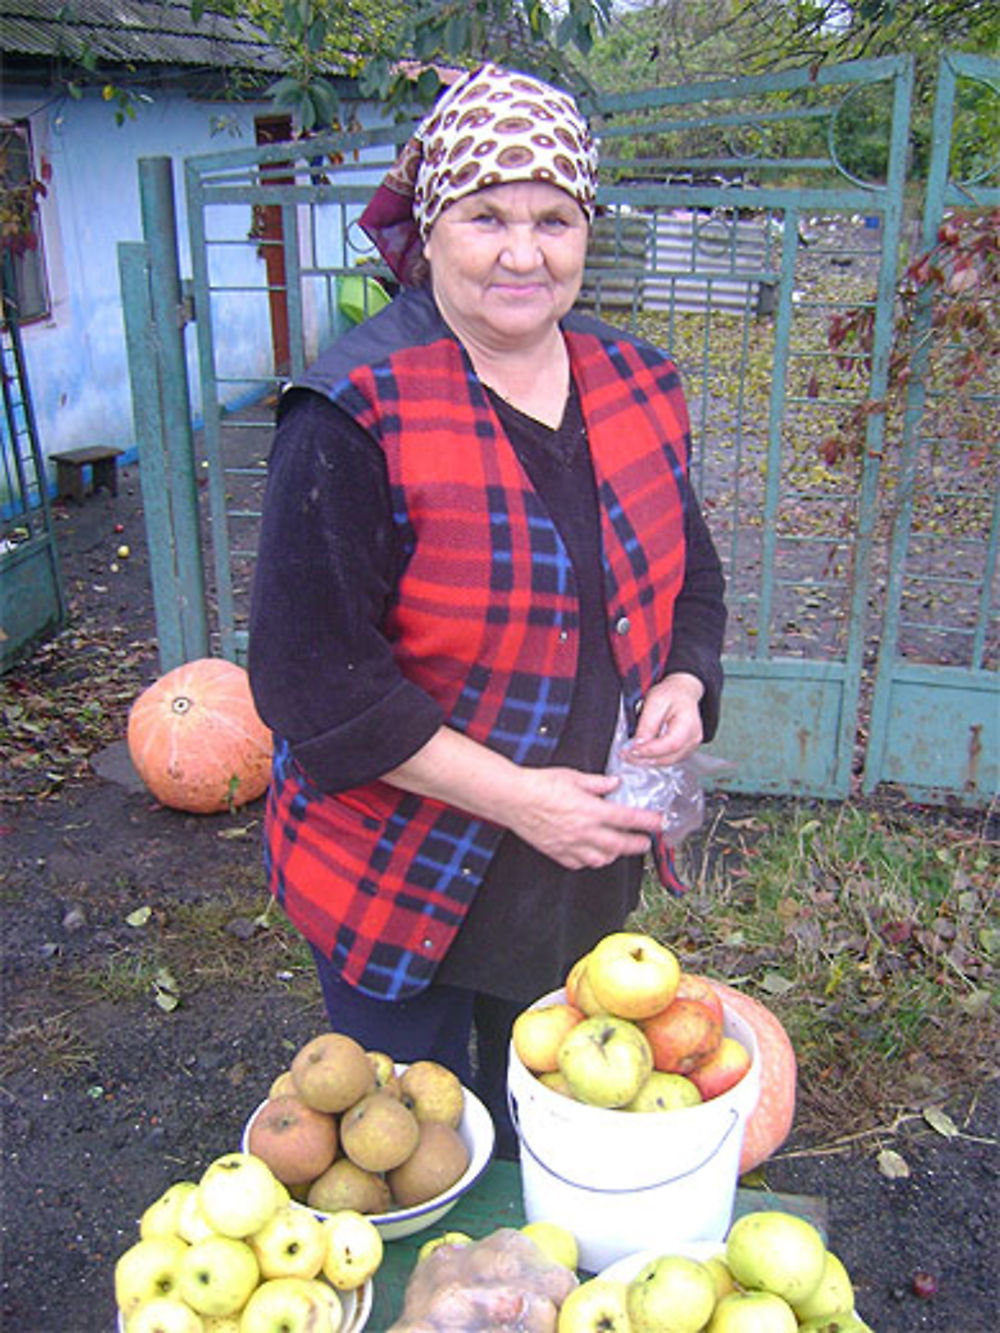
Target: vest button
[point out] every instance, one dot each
(622, 625)
(563, 635)
(428, 944)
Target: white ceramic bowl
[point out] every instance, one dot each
(478, 1134)
(356, 1305)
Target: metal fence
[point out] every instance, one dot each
(734, 228)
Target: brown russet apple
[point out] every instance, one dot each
(439, 1159)
(296, 1141)
(682, 1036)
(332, 1072)
(693, 986)
(379, 1132)
(432, 1092)
(537, 1035)
(721, 1071)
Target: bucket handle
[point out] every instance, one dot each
(597, 1189)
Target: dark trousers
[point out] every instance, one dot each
(467, 1032)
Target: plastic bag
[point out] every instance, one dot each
(675, 791)
(501, 1284)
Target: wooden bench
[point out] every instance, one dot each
(100, 458)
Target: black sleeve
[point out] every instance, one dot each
(700, 616)
(322, 671)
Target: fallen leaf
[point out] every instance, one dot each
(976, 1004)
(139, 917)
(940, 1122)
(892, 1165)
(775, 984)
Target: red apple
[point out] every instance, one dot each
(721, 1071)
(537, 1035)
(683, 1036)
(692, 986)
(297, 1142)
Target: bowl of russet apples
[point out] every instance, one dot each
(632, 1031)
(772, 1274)
(346, 1128)
(229, 1253)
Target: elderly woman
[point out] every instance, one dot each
(479, 544)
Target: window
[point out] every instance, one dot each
(20, 219)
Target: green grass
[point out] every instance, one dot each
(871, 931)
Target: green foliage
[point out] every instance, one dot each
(871, 930)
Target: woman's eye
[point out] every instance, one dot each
(554, 224)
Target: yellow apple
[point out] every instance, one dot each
(596, 1306)
(448, 1238)
(632, 975)
(353, 1249)
(192, 1224)
(753, 1312)
(163, 1314)
(776, 1252)
(286, 1305)
(290, 1244)
(162, 1217)
(537, 1035)
(237, 1194)
(217, 1275)
(555, 1242)
(148, 1268)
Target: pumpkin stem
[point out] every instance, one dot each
(182, 704)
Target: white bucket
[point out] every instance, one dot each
(625, 1181)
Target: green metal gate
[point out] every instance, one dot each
(32, 606)
(733, 229)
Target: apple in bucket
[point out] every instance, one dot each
(683, 1036)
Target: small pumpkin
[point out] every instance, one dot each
(770, 1123)
(196, 739)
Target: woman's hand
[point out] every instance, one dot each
(560, 811)
(669, 726)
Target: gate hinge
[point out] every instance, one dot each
(185, 311)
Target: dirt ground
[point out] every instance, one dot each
(107, 1100)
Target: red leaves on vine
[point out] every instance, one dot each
(959, 278)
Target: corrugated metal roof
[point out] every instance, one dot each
(136, 32)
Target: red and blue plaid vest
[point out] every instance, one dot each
(485, 621)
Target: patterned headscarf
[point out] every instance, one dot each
(492, 127)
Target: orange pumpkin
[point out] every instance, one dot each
(196, 740)
(770, 1123)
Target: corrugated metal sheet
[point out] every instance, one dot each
(158, 32)
(707, 260)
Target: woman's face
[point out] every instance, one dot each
(507, 262)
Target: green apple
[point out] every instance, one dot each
(555, 1242)
(753, 1312)
(192, 1224)
(596, 1306)
(605, 1060)
(671, 1294)
(776, 1252)
(287, 1305)
(237, 1194)
(162, 1217)
(834, 1295)
(353, 1249)
(292, 1243)
(163, 1314)
(148, 1268)
(665, 1092)
(632, 975)
(217, 1275)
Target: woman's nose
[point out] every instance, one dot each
(521, 249)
